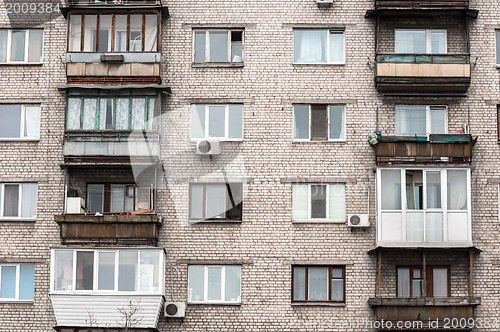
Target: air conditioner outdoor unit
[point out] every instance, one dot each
(324, 2)
(175, 309)
(358, 220)
(75, 205)
(208, 147)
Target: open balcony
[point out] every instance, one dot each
(421, 4)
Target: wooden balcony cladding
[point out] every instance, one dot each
(102, 72)
(113, 2)
(452, 148)
(418, 314)
(139, 229)
(422, 4)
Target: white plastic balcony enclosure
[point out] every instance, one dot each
(423, 207)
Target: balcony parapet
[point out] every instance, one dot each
(115, 5)
(422, 4)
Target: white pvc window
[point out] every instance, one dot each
(420, 41)
(223, 122)
(19, 122)
(218, 46)
(318, 122)
(107, 271)
(318, 46)
(17, 282)
(21, 45)
(18, 201)
(318, 201)
(214, 283)
(421, 120)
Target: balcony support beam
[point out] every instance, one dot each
(379, 271)
(471, 275)
(424, 271)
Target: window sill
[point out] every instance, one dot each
(300, 64)
(26, 220)
(34, 64)
(233, 304)
(221, 139)
(309, 141)
(317, 304)
(16, 302)
(217, 65)
(19, 140)
(216, 221)
(318, 221)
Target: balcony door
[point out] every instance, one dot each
(410, 282)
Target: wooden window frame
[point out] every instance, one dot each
(327, 124)
(330, 278)
(426, 292)
(107, 195)
(229, 44)
(229, 201)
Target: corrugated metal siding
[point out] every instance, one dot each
(76, 310)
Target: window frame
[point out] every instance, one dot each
(428, 40)
(229, 45)
(227, 213)
(428, 122)
(113, 30)
(107, 199)
(19, 202)
(330, 278)
(327, 198)
(497, 48)
(328, 31)
(95, 273)
(18, 283)
(22, 125)
(222, 284)
(328, 109)
(428, 277)
(498, 121)
(206, 125)
(26, 47)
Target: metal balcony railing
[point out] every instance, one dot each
(423, 58)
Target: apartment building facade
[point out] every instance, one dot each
(249, 166)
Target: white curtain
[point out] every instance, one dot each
(31, 128)
(138, 113)
(28, 200)
(391, 189)
(151, 33)
(337, 122)
(336, 46)
(121, 116)
(89, 113)
(457, 190)
(438, 120)
(403, 282)
(309, 46)
(75, 33)
(337, 201)
(410, 120)
(73, 115)
(440, 282)
(3, 45)
(438, 42)
(410, 41)
(300, 194)
(117, 197)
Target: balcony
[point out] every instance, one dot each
(436, 148)
(425, 312)
(113, 5)
(128, 229)
(421, 4)
(422, 73)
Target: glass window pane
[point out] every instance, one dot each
(218, 46)
(73, 116)
(106, 272)
(11, 200)
(214, 283)
(135, 33)
(75, 33)
(337, 122)
(497, 34)
(234, 199)
(10, 121)
(236, 48)
(337, 273)
(117, 198)
(438, 42)
(151, 34)
(301, 121)
(438, 120)
(440, 282)
(8, 282)
(337, 289)
(197, 121)
(104, 33)
(309, 46)
(199, 46)
(142, 198)
(129, 198)
(403, 282)
(196, 283)
(84, 270)
(410, 41)
(120, 33)
(434, 226)
(217, 122)
(138, 113)
(318, 201)
(149, 280)
(319, 123)
(391, 189)
(233, 282)
(106, 113)
(35, 46)
(410, 120)
(318, 284)
(457, 190)
(127, 271)
(18, 45)
(414, 190)
(27, 282)
(63, 270)
(3, 45)
(299, 283)
(337, 201)
(216, 201)
(31, 121)
(336, 47)
(95, 198)
(417, 288)
(235, 129)
(433, 189)
(300, 194)
(122, 114)
(152, 123)
(28, 201)
(89, 43)
(196, 210)
(89, 113)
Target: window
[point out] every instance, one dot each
(421, 41)
(211, 201)
(497, 43)
(18, 201)
(19, 121)
(17, 282)
(113, 33)
(217, 121)
(318, 201)
(214, 284)
(218, 46)
(21, 46)
(421, 120)
(318, 46)
(116, 197)
(319, 122)
(112, 113)
(106, 270)
(318, 284)
(410, 281)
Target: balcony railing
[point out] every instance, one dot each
(113, 2)
(423, 58)
(421, 4)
